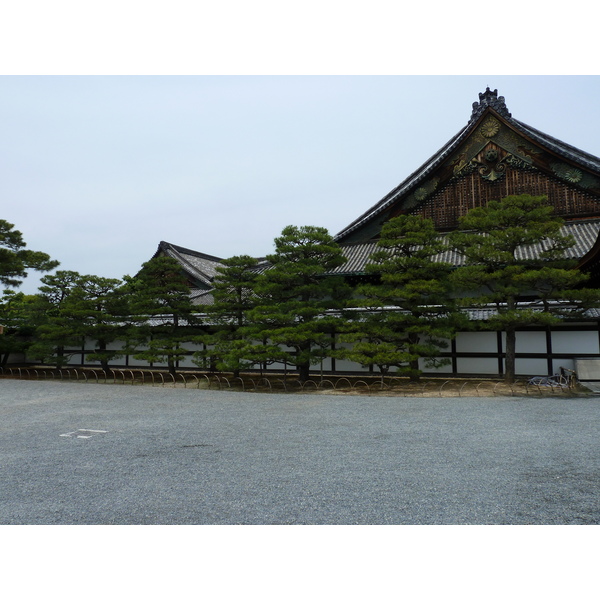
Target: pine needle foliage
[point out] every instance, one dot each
(515, 261)
(227, 346)
(408, 312)
(161, 312)
(292, 321)
(16, 259)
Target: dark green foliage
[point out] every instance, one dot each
(58, 331)
(161, 312)
(98, 306)
(515, 262)
(19, 317)
(409, 314)
(15, 259)
(290, 322)
(79, 307)
(233, 294)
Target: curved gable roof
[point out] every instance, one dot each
(200, 267)
(490, 104)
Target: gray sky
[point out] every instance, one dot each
(97, 170)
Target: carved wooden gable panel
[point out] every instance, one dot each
(446, 205)
(494, 162)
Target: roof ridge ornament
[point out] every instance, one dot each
(492, 100)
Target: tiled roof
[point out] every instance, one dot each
(198, 265)
(486, 313)
(585, 234)
(202, 297)
(410, 182)
(567, 151)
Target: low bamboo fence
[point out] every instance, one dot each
(280, 383)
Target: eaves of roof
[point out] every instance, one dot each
(198, 265)
(410, 182)
(583, 159)
(585, 233)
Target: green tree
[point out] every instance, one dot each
(409, 313)
(514, 261)
(292, 322)
(233, 295)
(79, 307)
(19, 318)
(58, 331)
(161, 312)
(16, 259)
(96, 308)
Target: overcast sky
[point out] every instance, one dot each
(97, 170)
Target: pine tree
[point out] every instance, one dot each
(514, 253)
(408, 312)
(79, 307)
(19, 318)
(233, 296)
(96, 307)
(16, 259)
(161, 312)
(58, 331)
(291, 322)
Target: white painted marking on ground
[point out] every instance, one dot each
(80, 433)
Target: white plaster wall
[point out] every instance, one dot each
(477, 366)
(348, 365)
(191, 346)
(531, 342)
(133, 362)
(567, 363)
(75, 359)
(186, 362)
(531, 366)
(476, 341)
(575, 342)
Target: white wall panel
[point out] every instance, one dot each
(575, 342)
(531, 366)
(348, 365)
(567, 363)
(133, 362)
(187, 363)
(75, 359)
(478, 366)
(476, 341)
(531, 342)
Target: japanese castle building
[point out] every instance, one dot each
(494, 155)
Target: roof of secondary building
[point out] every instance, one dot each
(200, 267)
(585, 234)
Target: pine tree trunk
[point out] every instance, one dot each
(60, 355)
(171, 366)
(415, 372)
(304, 371)
(103, 361)
(511, 343)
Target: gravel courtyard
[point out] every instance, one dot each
(75, 453)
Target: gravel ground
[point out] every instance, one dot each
(180, 456)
